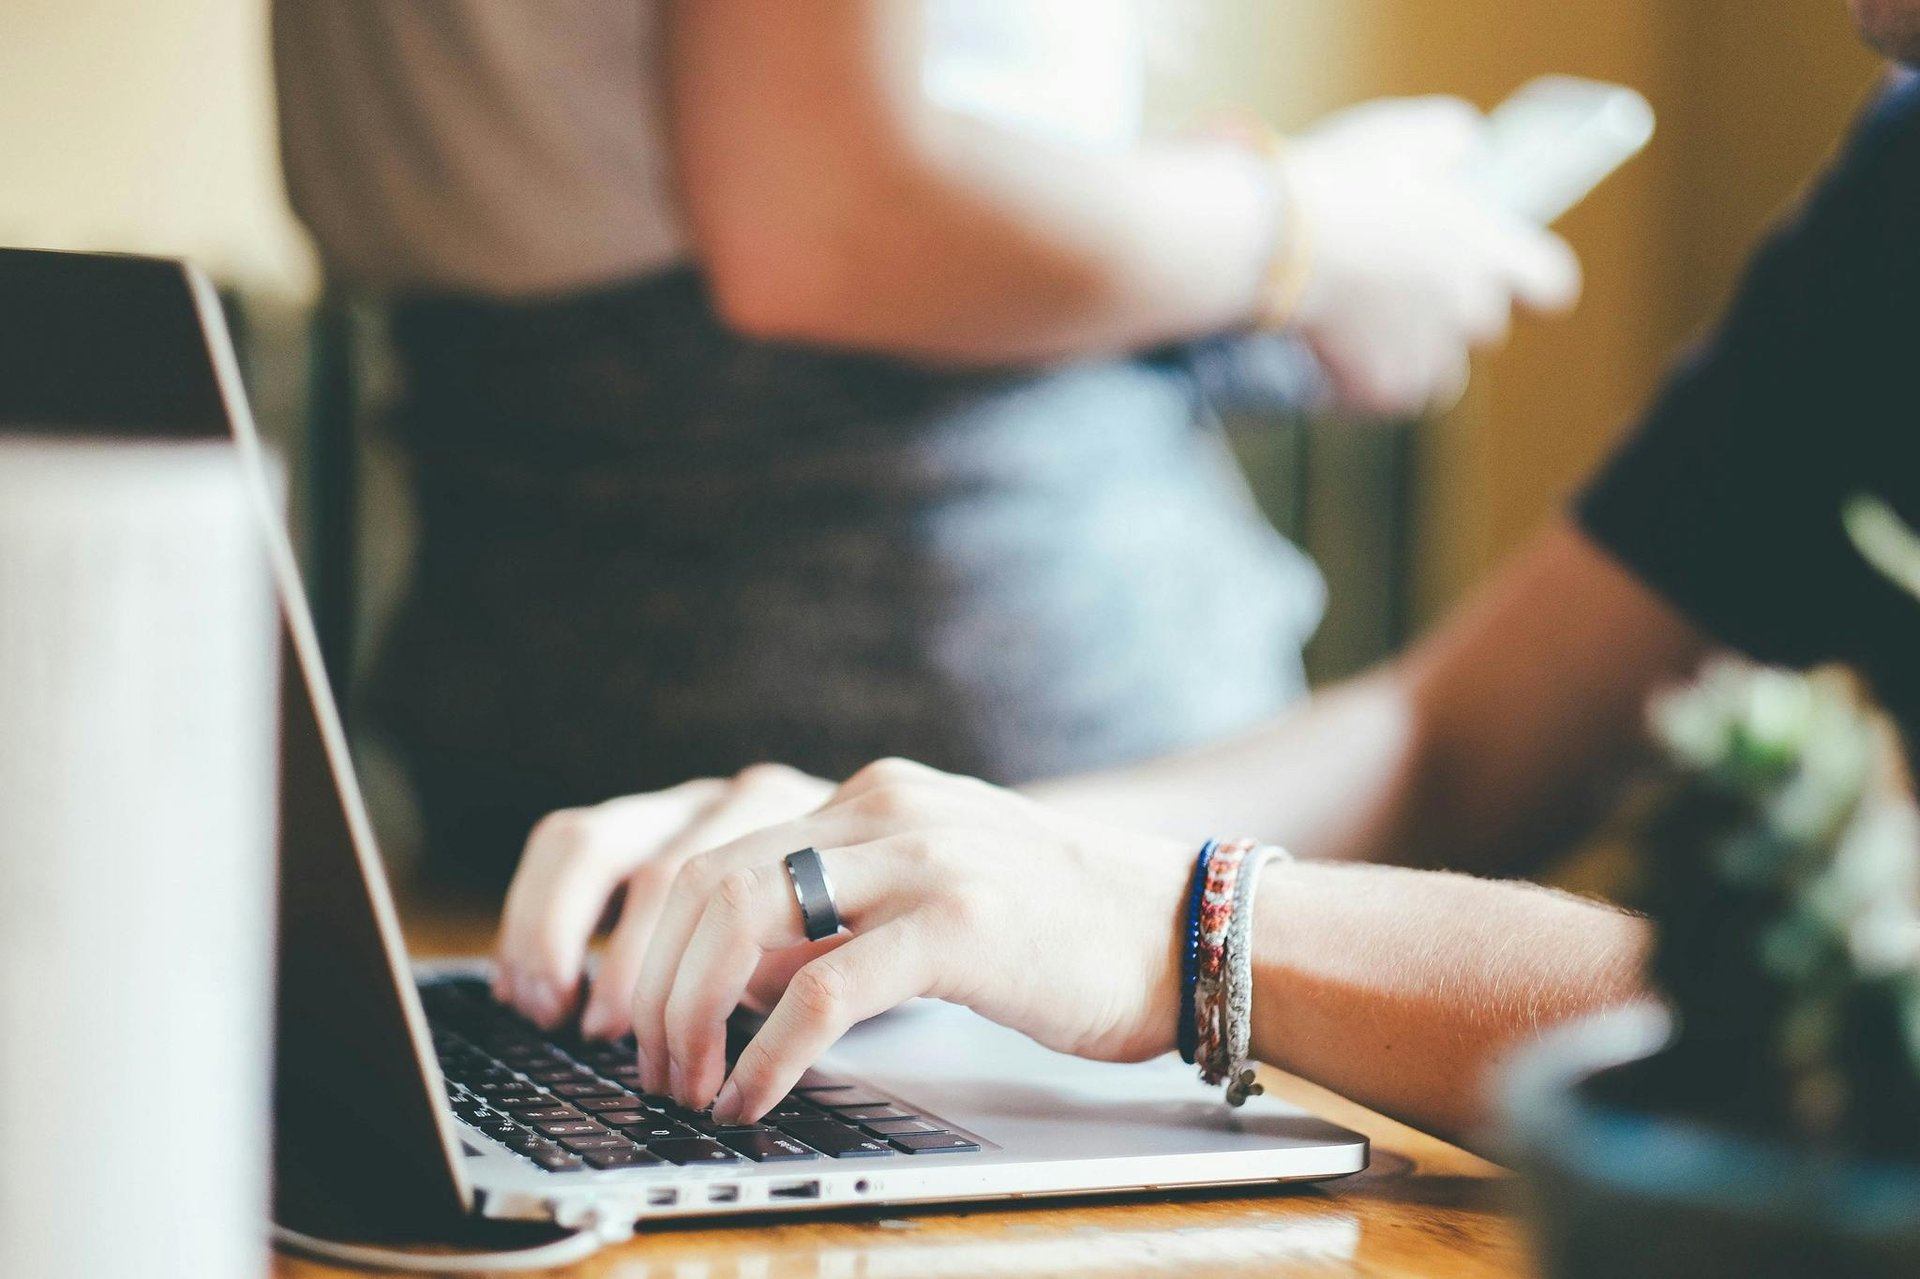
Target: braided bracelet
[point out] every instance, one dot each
(1241, 1082)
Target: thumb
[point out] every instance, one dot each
(1542, 269)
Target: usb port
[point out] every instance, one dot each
(794, 1190)
(723, 1194)
(662, 1197)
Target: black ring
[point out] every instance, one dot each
(814, 893)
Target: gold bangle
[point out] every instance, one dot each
(1289, 265)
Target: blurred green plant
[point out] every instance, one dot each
(1782, 870)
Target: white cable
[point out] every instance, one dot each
(561, 1252)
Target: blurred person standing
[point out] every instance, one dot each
(813, 382)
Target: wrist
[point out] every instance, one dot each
(1286, 269)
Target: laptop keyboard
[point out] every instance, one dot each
(568, 1104)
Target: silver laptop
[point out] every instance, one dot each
(409, 1104)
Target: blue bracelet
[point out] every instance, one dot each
(1186, 1034)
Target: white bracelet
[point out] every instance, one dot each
(1241, 1083)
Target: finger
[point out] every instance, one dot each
(752, 913)
(873, 972)
(1543, 271)
(884, 773)
(1486, 314)
(1435, 133)
(1453, 370)
(685, 902)
(573, 862)
(610, 995)
(770, 979)
(759, 796)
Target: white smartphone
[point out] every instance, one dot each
(1555, 140)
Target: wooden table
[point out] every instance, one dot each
(1423, 1210)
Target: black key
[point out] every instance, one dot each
(471, 1110)
(655, 1128)
(620, 1101)
(819, 1092)
(525, 1143)
(597, 1141)
(624, 1118)
(693, 1150)
(628, 1074)
(487, 1074)
(861, 1114)
(585, 1089)
(794, 1104)
(568, 1127)
(631, 1157)
(934, 1143)
(847, 1100)
(523, 1055)
(499, 1128)
(547, 1108)
(518, 1106)
(781, 1116)
(894, 1127)
(507, 1091)
(765, 1146)
(555, 1160)
(838, 1140)
(542, 1074)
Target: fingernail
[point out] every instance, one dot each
(596, 1024)
(726, 1105)
(541, 1001)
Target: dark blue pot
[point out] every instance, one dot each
(1615, 1191)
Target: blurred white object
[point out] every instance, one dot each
(137, 765)
(1547, 147)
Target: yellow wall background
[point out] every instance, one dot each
(148, 126)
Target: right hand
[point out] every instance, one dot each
(578, 860)
(1411, 267)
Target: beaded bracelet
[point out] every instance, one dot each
(1216, 914)
(1185, 1034)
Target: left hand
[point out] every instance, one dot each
(1059, 927)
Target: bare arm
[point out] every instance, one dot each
(1401, 988)
(830, 201)
(1494, 740)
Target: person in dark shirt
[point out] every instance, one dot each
(1717, 525)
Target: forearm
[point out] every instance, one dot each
(1400, 989)
(831, 201)
(1334, 779)
(984, 246)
